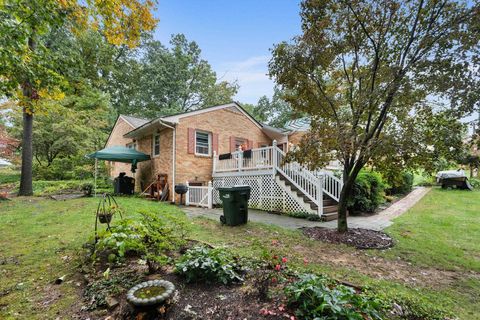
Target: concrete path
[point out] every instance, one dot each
(377, 221)
(384, 218)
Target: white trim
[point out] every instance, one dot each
(209, 135)
(176, 118)
(155, 134)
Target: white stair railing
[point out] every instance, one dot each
(332, 186)
(301, 178)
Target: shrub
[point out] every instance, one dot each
(152, 238)
(425, 180)
(368, 192)
(126, 237)
(401, 183)
(475, 182)
(316, 297)
(210, 265)
(87, 188)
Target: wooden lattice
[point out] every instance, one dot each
(266, 194)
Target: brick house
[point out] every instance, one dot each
(191, 147)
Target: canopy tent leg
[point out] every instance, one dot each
(95, 179)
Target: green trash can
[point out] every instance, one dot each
(235, 205)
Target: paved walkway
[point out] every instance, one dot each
(374, 222)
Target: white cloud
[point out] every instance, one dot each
(251, 75)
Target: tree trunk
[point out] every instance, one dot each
(26, 188)
(342, 225)
(349, 176)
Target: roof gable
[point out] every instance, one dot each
(134, 121)
(131, 121)
(233, 106)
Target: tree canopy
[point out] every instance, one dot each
(383, 81)
(159, 80)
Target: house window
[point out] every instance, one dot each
(132, 145)
(203, 143)
(239, 142)
(156, 144)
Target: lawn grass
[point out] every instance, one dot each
(45, 237)
(441, 231)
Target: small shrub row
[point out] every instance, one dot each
(211, 265)
(400, 183)
(304, 215)
(45, 188)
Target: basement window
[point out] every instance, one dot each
(203, 143)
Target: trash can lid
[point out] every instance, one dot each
(241, 187)
(234, 188)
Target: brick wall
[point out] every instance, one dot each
(224, 122)
(116, 139)
(295, 138)
(159, 164)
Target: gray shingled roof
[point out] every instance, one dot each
(135, 122)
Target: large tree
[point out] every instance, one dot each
(158, 80)
(375, 76)
(29, 72)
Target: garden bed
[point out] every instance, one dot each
(198, 300)
(356, 237)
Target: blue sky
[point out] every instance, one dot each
(235, 36)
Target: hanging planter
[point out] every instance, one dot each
(106, 209)
(150, 293)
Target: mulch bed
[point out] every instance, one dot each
(192, 301)
(358, 238)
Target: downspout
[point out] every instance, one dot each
(173, 161)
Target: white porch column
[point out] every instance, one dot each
(320, 195)
(210, 195)
(274, 157)
(187, 194)
(240, 160)
(214, 169)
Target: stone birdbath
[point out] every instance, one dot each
(150, 293)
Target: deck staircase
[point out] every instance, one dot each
(319, 191)
(315, 192)
(330, 206)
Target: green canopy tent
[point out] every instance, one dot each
(118, 154)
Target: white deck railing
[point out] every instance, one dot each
(313, 184)
(201, 196)
(257, 159)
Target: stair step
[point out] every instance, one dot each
(329, 216)
(330, 209)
